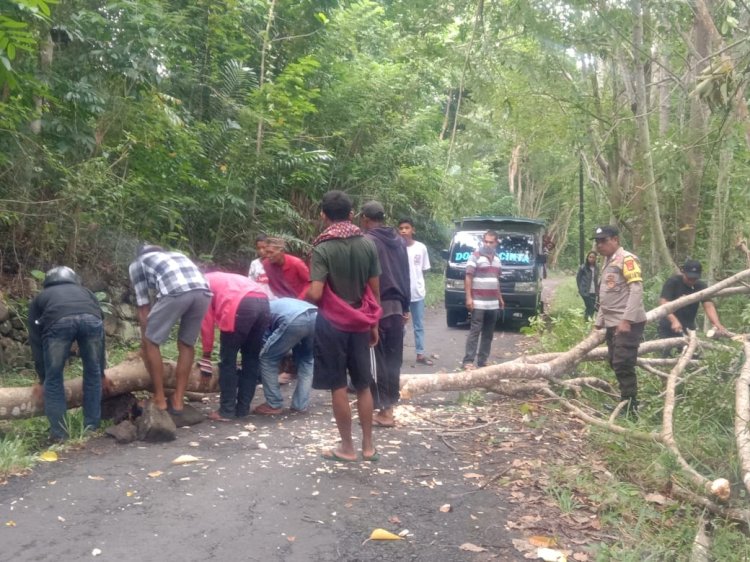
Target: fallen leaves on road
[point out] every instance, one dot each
(97, 478)
(155, 474)
(383, 535)
(185, 459)
(470, 547)
(446, 508)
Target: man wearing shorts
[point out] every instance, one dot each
(345, 285)
(182, 295)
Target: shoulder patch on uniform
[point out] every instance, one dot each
(631, 269)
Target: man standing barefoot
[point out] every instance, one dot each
(344, 273)
(182, 296)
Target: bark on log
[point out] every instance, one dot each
(131, 375)
(742, 417)
(667, 431)
(553, 365)
(128, 376)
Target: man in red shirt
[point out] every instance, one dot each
(288, 276)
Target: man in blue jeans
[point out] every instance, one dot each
(62, 313)
(292, 329)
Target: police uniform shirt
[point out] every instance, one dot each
(621, 290)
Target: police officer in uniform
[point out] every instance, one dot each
(621, 310)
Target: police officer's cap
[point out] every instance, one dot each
(606, 231)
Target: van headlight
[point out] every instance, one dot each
(455, 284)
(525, 288)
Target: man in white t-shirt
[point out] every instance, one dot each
(419, 262)
(257, 272)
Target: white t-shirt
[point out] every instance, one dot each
(257, 271)
(419, 261)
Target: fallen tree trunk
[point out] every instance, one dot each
(553, 365)
(128, 376)
(131, 375)
(742, 417)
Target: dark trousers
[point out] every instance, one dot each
(237, 387)
(623, 354)
(589, 301)
(389, 354)
(482, 324)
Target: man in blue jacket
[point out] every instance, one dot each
(292, 329)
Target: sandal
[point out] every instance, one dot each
(332, 456)
(469, 367)
(375, 457)
(422, 360)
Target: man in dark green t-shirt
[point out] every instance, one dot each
(344, 274)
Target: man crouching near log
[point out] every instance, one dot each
(182, 295)
(62, 313)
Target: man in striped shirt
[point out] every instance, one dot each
(483, 299)
(181, 295)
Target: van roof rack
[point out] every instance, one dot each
(487, 220)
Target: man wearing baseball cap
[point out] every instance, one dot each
(686, 283)
(621, 310)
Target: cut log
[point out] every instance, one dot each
(742, 417)
(128, 376)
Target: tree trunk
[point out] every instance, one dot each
(644, 141)
(128, 376)
(265, 48)
(696, 134)
(131, 375)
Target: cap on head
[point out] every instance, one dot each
(692, 269)
(606, 231)
(373, 210)
(60, 275)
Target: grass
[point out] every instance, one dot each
(435, 287)
(704, 433)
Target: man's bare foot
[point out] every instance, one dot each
(216, 416)
(383, 420)
(160, 404)
(337, 455)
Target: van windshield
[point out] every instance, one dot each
(514, 249)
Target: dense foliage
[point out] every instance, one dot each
(199, 124)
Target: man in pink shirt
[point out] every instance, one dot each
(288, 275)
(239, 307)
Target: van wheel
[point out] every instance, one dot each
(453, 317)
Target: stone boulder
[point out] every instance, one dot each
(155, 425)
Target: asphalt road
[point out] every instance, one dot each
(263, 492)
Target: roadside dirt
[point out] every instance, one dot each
(462, 477)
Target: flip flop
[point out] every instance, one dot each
(377, 423)
(425, 361)
(333, 457)
(375, 457)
